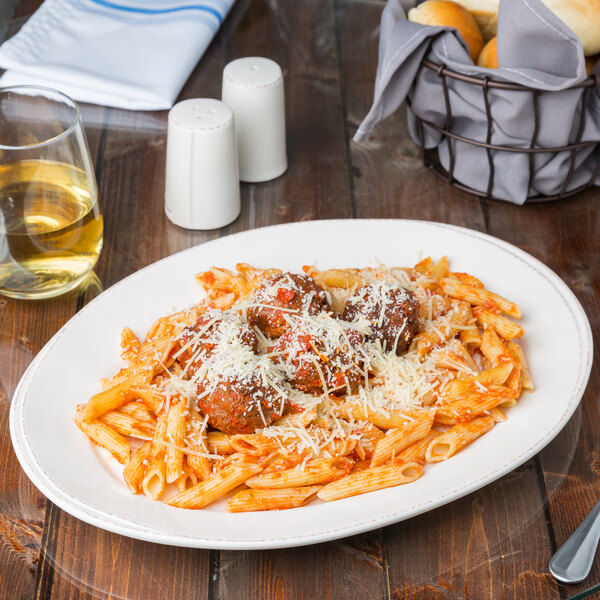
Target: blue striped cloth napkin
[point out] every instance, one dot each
(133, 54)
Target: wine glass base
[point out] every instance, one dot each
(49, 284)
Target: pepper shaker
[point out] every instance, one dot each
(253, 89)
(202, 188)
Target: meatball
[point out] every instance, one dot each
(237, 388)
(280, 294)
(322, 350)
(236, 405)
(198, 342)
(392, 312)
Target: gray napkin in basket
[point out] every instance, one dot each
(535, 49)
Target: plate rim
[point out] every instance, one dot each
(127, 527)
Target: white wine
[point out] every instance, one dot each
(50, 228)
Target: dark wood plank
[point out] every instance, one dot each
(301, 38)
(7, 18)
(24, 329)
(131, 176)
(493, 543)
(564, 235)
(389, 180)
(13, 15)
(353, 569)
(25, 8)
(129, 160)
(388, 177)
(81, 561)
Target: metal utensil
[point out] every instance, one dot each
(573, 560)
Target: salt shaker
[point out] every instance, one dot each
(202, 189)
(253, 89)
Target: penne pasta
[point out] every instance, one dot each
(130, 345)
(473, 405)
(159, 438)
(114, 397)
(369, 480)
(466, 278)
(152, 398)
(138, 411)
(450, 442)
(342, 278)
(186, 479)
(459, 388)
(127, 425)
(106, 437)
(277, 499)
(175, 434)
(450, 360)
(439, 269)
(252, 444)
(280, 460)
(503, 326)
(397, 440)
(302, 419)
(156, 354)
(154, 480)
(479, 297)
(462, 352)
(133, 473)
(424, 265)
(517, 352)
(435, 308)
(498, 415)
(470, 337)
(212, 488)
(443, 329)
(515, 383)
(219, 442)
(339, 447)
(383, 420)
(196, 440)
(320, 470)
(416, 451)
(492, 346)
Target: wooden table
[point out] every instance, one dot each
(494, 543)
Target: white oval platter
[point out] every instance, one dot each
(86, 483)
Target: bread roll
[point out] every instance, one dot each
(581, 16)
(486, 15)
(450, 14)
(590, 63)
(488, 57)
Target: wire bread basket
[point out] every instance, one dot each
(534, 151)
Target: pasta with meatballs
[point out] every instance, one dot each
(305, 385)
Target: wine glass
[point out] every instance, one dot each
(50, 222)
